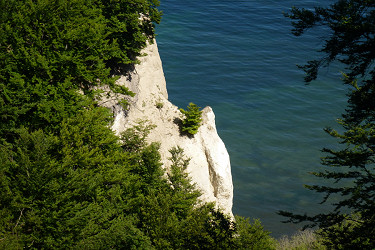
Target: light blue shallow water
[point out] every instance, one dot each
(239, 58)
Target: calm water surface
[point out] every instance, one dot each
(239, 58)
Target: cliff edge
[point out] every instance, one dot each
(209, 166)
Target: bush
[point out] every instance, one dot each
(193, 118)
(252, 236)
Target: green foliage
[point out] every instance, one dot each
(184, 190)
(134, 138)
(352, 167)
(174, 217)
(68, 190)
(159, 105)
(60, 187)
(129, 24)
(50, 51)
(83, 188)
(252, 236)
(193, 118)
(345, 234)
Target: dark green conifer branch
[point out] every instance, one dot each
(192, 120)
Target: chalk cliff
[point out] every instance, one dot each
(209, 166)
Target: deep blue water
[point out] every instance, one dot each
(240, 58)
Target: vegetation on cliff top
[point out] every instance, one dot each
(192, 120)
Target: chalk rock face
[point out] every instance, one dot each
(209, 166)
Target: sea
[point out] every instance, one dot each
(239, 57)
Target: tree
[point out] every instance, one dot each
(193, 118)
(252, 236)
(67, 190)
(52, 51)
(351, 41)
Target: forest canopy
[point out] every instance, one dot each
(51, 50)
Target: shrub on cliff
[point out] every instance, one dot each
(192, 120)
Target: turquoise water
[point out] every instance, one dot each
(239, 58)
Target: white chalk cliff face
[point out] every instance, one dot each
(209, 166)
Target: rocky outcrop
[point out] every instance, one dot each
(209, 166)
